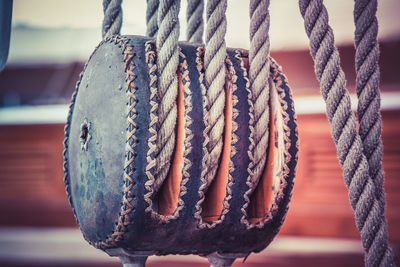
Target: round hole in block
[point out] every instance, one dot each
(84, 135)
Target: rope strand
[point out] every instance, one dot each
(195, 22)
(151, 18)
(214, 65)
(369, 214)
(112, 21)
(367, 87)
(167, 66)
(258, 77)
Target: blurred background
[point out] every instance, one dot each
(50, 42)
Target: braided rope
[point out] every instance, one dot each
(112, 18)
(195, 23)
(151, 18)
(369, 214)
(214, 79)
(167, 66)
(258, 77)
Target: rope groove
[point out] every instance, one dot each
(214, 79)
(167, 66)
(258, 77)
(112, 18)
(369, 212)
(195, 22)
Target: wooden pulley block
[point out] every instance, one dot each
(109, 157)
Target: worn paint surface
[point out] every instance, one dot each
(96, 170)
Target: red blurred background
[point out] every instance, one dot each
(47, 53)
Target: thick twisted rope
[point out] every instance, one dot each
(367, 87)
(214, 79)
(151, 17)
(112, 18)
(167, 65)
(258, 77)
(369, 213)
(195, 23)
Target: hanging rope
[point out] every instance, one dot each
(258, 77)
(367, 87)
(195, 23)
(214, 65)
(112, 18)
(167, 65)
(369, 212)
(151, 18)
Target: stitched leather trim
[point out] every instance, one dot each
(151, 57)
(250, 150)
(127, 197)
(188, 122)
(66, 138)
(127, 207)
(203, 186)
